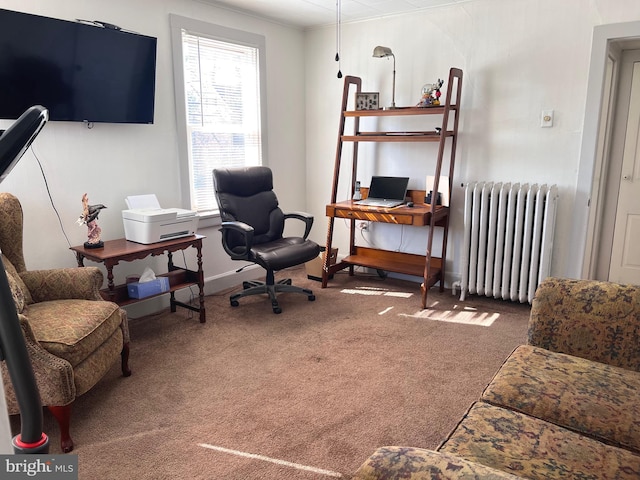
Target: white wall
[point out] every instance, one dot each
(110, 162)
(518, 57)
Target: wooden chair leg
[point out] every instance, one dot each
(126, 371)
(63, 416)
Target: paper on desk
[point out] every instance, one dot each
(147, 202)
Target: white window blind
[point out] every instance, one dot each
(223, 118)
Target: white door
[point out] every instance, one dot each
(625, 252)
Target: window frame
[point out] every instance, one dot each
(225, 34)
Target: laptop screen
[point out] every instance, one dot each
(388, 188)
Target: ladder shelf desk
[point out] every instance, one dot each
(430, 268)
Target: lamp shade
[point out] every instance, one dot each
(381, 52)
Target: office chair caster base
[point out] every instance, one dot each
(270, 288)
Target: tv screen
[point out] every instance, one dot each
(79, 72)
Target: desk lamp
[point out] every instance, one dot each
(385, 52)
(13, 143)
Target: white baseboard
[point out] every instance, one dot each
(226, 280)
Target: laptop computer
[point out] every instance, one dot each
(386, 192)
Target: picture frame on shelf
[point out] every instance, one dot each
(368, 101)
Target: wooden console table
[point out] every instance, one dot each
(115, 251)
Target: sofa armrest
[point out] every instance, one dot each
(406, 463)
(591, 319)
(81, 283)
(54, 376)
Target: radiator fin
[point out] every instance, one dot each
(508, 239)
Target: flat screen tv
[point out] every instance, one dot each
(78, 72)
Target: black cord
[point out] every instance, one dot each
(46, 184)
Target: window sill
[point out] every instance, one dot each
(209, 219)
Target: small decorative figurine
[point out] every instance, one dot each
(431, 94)
(89, 218)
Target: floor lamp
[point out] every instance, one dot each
(31, 439)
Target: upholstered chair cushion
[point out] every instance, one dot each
(73, 341)
(532, 448)
(561, 389)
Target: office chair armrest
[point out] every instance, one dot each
(239, 252)
(307, 218)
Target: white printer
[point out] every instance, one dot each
(146, 222)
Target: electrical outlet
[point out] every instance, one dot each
(364, 226)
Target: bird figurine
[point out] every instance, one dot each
(89, 218)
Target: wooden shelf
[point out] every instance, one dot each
(395, 137)
(178, 279)
(398, 262)
(395, 112)
(430, 268)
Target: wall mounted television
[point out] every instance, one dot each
(79, 72)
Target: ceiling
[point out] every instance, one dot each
(314, 13)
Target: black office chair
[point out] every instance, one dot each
(252, 228)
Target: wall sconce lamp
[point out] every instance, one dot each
(385, 52)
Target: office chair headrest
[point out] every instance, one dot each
(243, 181)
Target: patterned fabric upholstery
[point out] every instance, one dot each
(73, 341)
(11, 231)
(406, 463)
(72, 335)
(63, 283)
(18, 288)
(590, 319)
(591, 398)
(532, 448)
(17, 292)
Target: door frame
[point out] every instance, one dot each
(590, 192)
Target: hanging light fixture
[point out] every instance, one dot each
(385, 52)
(338, 33)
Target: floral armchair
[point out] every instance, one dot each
(72, 335)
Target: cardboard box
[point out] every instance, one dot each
(147, 289)
(314, 267)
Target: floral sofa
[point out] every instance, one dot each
(566, 405)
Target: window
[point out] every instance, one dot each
(219, 84)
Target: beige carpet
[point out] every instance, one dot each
(307, 394)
